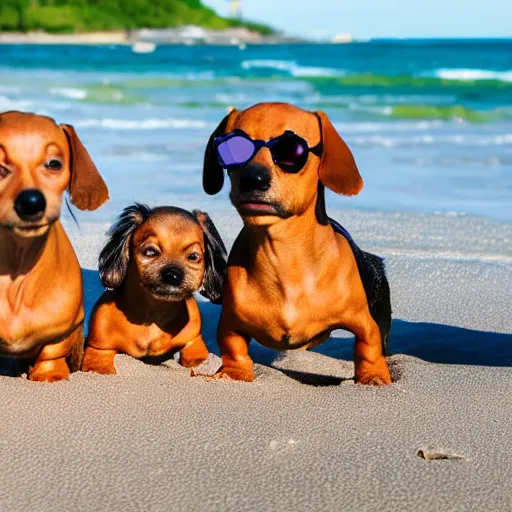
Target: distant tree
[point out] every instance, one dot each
(21, 6)
(92, 15)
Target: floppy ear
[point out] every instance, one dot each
(215, 261)
(87, 189)
(213, 174)
(338, 170)
(115, 256)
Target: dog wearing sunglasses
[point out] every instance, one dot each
(294, 275)
(41, 299)
(152, 263)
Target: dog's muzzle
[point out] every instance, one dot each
(30, 205)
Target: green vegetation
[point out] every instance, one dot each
(72, 16)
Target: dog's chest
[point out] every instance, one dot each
(291, 316)
(43, 304)
(26, 321)
(16, 337)
(152, 341)
(24, 334)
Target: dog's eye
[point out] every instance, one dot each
(194, 256)
(54, 164)
(4, 172)
(150, 252)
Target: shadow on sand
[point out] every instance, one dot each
(431, 342)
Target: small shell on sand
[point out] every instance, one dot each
(438, 454)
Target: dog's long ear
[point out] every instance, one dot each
(115, 256)
(216, 257)
(87, 189)
(213, 174)
(338, 170)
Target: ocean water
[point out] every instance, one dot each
(429, 122)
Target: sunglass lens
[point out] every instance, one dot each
(290, 153)
(235, 151)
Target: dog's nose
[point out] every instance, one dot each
(172, 275)
(254, 180)
(30, 204)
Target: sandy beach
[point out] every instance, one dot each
(112, 37)
(303, 436)
(188, 35)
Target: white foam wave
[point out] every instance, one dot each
(140, 156)
(386, 110)
(7, 104)
(9, 89)
(396, 126)
(473, 74)
(230, 99)
(430, 139)
(69, 92)
(143, 124)
(291, 67)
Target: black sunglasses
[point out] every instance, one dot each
(289, 151)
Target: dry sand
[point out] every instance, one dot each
(179, 35)
(303, 436)
(111, 37)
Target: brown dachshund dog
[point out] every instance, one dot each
(41, 303)
(153, 262)
(294, 275)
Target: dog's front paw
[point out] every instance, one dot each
(373, 380)
(49, 371)
(99, 361)
(376, 374)
(235, 373)
(194, 353)
(104, 370)
(192, 363)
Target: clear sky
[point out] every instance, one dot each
(380, 18)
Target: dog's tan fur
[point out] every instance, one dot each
(291, 278)
(141, 316)
(41, 302)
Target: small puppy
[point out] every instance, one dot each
(294, 275)
(153, 262)
(41, 302)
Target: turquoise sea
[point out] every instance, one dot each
(429, 122)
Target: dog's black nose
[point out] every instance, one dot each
(252, 179)
(30, 204)
(172, 275)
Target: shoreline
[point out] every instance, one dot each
(194, 35)
(187, 35)
(117, 37)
